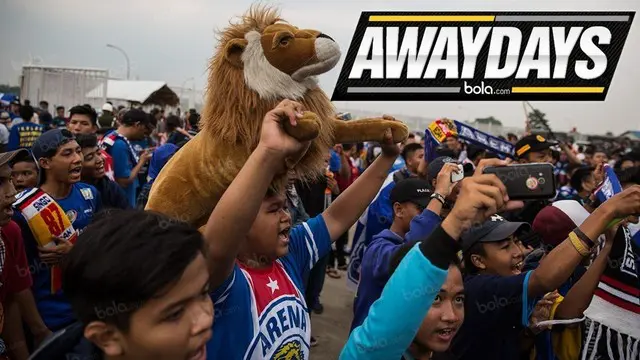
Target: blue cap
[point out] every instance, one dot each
(49, 140)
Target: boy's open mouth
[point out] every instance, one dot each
(446, 334)
(517, 267)
(283, 235)
(76, 171)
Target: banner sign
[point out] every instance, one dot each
(439, 130)
(488, 56)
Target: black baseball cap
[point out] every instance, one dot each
(436, 165)
(493, 230)
(413, 190)
(7, 157)
(532, 143)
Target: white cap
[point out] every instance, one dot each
(107, 107)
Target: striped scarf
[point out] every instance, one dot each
(46, 219)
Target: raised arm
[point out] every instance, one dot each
(560, 263)
(232, 217)
(579, 296)
(394, 319)
(348, 207)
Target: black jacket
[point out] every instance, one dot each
(68, 343)
(111, 194)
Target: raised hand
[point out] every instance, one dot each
(443, 181)
(480, 197)
(623, 204)
(388, 147)
(273, 138)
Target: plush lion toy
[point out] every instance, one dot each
(259, 62)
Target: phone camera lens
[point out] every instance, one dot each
(541, 181)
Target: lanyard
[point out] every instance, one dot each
(135, 156)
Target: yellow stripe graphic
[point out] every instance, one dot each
(433, 18)
(558, 90)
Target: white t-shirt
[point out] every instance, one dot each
(4, 134)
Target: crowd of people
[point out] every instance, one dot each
(443, 268)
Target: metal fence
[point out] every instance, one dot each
(62, 85)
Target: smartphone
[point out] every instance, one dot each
(526, 181)
(455, 177)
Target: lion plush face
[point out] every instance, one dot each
(282, 61)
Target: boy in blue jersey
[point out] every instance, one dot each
(60, 160)
(415, 207)
(500, 296)
(140, 292)
(379, 214)
(259, 269)
(25, 133)
(126, 161)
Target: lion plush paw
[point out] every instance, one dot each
(308, 127)
(399, 130)
(369, 129)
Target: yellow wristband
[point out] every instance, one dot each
(578, 244)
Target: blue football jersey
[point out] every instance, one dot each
(261, 313)
(80, 206)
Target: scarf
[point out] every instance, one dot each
(610, 186)
(110, 139)
(439, 130)
(46, 219)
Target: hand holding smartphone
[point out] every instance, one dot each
(526, 181)
(457, 176)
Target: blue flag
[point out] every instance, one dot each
(610, 186)
(440, 129)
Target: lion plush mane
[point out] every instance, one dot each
(259, 61)
(229, 98)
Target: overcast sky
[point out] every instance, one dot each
(172, 41)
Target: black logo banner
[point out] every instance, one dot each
(487, 56)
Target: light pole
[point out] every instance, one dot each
(125, 56)
(182, 89)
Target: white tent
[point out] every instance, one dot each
(143, 92)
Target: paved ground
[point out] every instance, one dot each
(332, 327)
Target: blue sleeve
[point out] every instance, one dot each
(120, 155)
(221, 293)
(334, 161)
(309, 242)
(422, 225)
(379, 253)
(527, 304)
(14, 139)
(380, 214)
(394, 319)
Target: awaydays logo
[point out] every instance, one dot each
(483, 56)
